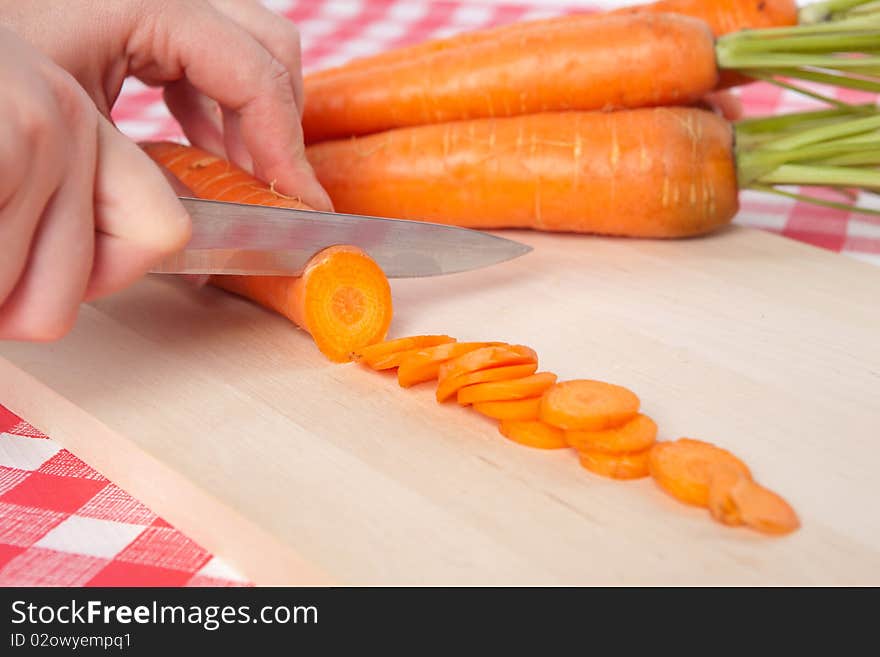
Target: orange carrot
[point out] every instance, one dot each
(424, 365)
(634, 436)
(684, 468)
(451, 386)
(588, 405)
(736, 500)
(630, 465)
(564, 63)
(532, 434)
(486, 358)
(388, 354)
(342, 299)
(558, 172)
(519, 409)
(509, 390)
(567, 65)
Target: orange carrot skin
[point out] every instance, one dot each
(635, 436)
(606, 63)
(655, 172)
(685, 468)
(508, 390)
(726, 16)
(451, 386)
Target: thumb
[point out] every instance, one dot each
(138, 218)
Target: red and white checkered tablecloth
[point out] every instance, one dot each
(62, 523)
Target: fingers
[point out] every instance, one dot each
(726, 103)
(138, 218)
(247, 80)
(198, 116)
(280, 37)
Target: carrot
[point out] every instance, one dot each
(557, 172)
(342, 299)
(736, 500)
(450, 386)
(388, 354)
(486, 358)
(636, 435)
(588, 405)
(509, 390)
(684, 468)
(532, 434)
(424, 365)
(630, 465)
(573, 64)
(519, 409)
(563, 63)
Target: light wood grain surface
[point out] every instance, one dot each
(229, 423)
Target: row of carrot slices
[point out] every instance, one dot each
(599, 420)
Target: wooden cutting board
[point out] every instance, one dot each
(227, 422)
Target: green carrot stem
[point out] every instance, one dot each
(796, 174)
(847, 128)
(817, 12)
(780, 122)
(849, 80)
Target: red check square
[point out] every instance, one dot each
(65, 464)
(41, 567)
(24, 525)
(63, 494)
(118, 573)
(165, 547)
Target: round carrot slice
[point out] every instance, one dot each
(528, 386)
(532, 434)
(376, 353)
(588, 405)
(746, 502)
(631, 465)
(450, 386)
(424, 364)
(635, 436)
(483, 359)
(520, 409)
(684, 468)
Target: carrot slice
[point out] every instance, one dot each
(375, 355)
(635, 436)
(588, 405)
(450, 386)
(630, 465)
(485, 358)
(528, 386)
(737, 500)
(424, 364)
(684, 468)
(520, 409)
(533, 434)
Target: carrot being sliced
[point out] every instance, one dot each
(721, 506)
(343, 299)
(511, 390)
(374, 355)
(519, 409)
(532, 434)
(630, 465)
(450, 386)
(636, 435)
(485, 358)
(424, 364)
(588, 405)
(684, 468)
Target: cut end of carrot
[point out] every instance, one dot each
(631, 465)
(588, 405)
(347, 301)
(684, 468)
(533, 434)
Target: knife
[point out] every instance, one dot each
(232, 238)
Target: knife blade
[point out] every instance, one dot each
(232, 238)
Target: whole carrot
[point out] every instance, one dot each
(342, 299)
(659, 172)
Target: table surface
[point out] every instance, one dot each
(63, 523)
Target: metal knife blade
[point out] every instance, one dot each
(232, 238)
